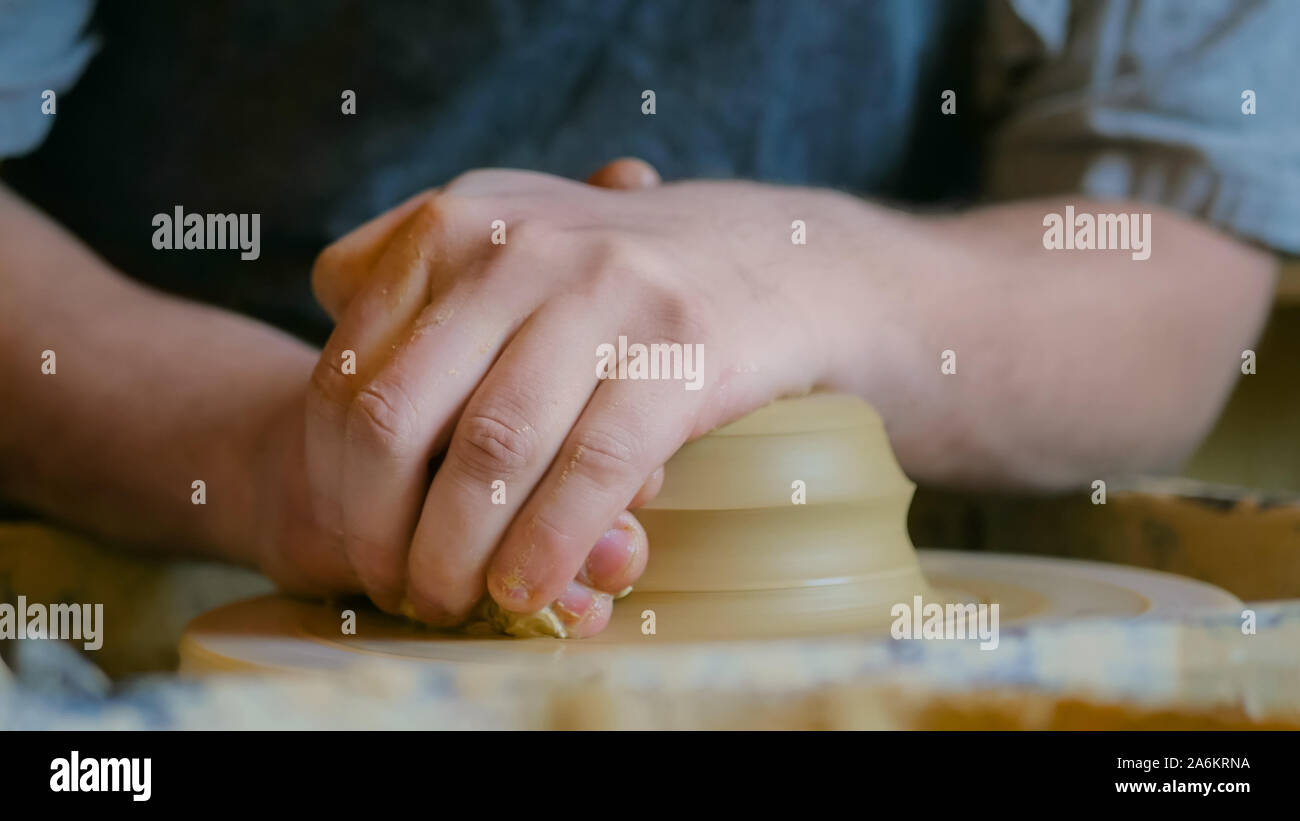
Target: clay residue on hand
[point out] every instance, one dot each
(488, 616)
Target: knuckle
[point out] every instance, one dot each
(345, 265)
(617, 251)
(328, 382)
(607, 455)
(678, 316)
(611, 263)
(430, 318)
(479, 181)
(531, 235)
(493, 445)
(551, 538)
(325, 270)
(432, 210)
(428, 229)
(468, 182)
(382, 416)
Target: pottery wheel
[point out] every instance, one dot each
(788, 523)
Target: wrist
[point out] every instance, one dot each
(873, 271)
(247, 459)
(221, 426)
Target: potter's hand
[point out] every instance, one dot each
(484, 355)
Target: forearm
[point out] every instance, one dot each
(149, 394)
(1070, 365)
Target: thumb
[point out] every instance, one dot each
(626, 174)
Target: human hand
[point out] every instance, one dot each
(485, 355)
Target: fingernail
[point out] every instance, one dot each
(575, 603)
(612, 554)
(511, 593)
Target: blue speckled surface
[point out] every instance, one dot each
(1198, 663)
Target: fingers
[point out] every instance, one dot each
(586, 603)
(584, 611)
(613, 565)
(509, 434)
(618, 558)
(392, 384)
(344, 267)
(649, 490)
(616, 443)
(346, 264)
(372, 433)
(625, 173)
(370, 327)
(395, 425)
